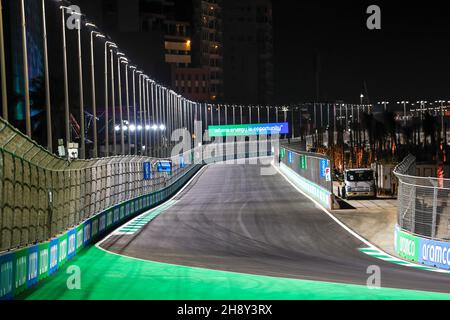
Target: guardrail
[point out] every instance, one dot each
(423, 217)
(42, 195)
(51, 208)
(311, 172)
(23, 268)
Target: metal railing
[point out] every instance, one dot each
(42, 195)
(423, 202)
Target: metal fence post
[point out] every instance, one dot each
(433, 223)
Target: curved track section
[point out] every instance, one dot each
(232, 218)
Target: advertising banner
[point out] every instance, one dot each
(126, 212)
(303, 162)
(102, 222)
(33, 266)
(323, 168)
(44, 260)
(164, 166)
(147, 170)
(71, 243)
(290, 157)
(116, 215)
(407, 245)
(20, 271)
(248, 129)
(121, 212)
(435, 253)
(94, 227)
(80, 238)
(6, 276)
(87, 232)
(63, 247)
(133, 206)
(182, 162)
(282, 153)
(54, 252)
(109, 218)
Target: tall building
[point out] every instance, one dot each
(208, 44)
(248, 51)
(207, 50)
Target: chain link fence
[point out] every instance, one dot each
(423, 202)
(42, 195)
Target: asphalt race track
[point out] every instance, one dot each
(232, 218)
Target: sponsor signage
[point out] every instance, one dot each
(303, 162)
(328, 174)
(6, 275)
(428, 252)
(182, 162)
(407, 246)
(435, 253)
(282, 153)
(147, 170)
(248, 129)
(290, 157)
(323, 168)
(164, 166)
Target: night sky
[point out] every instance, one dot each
(408, 59)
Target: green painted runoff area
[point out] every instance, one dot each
(106, 276)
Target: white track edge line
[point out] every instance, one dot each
(98, 244)
(352, 232)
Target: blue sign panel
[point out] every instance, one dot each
(147, 170)
(323, 168)
(87, 232)
(33, 266)
(54, 245)
(182, 162)
(72, 245)
(434, 253)
(6, 276)
(164, 166)
(290, 157)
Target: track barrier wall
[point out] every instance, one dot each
(52, 209)
(422, 250)
(422, 233)
(23, 268)
(310, 172)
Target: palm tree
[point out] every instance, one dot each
(429, 130)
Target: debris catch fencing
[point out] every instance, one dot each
(423, 203)
(42, 195)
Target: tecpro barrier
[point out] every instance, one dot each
(24, 268)
(309, 172)
(422, 250)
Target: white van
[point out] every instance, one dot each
(359, 183)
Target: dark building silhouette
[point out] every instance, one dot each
(207, 50)
(248, 51)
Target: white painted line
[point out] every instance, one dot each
(326, 211)
(116, 231)
(370, 245)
